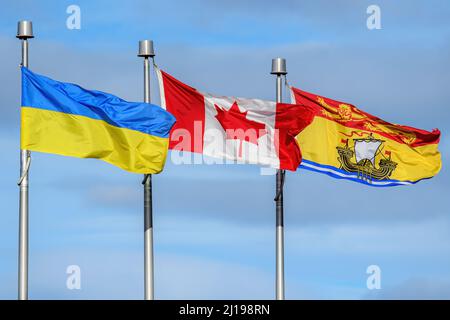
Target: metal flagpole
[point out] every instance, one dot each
(279, 69)
(24, 32)
(146, 51)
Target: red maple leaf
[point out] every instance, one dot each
(238, 127)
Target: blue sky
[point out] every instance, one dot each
(214, 225)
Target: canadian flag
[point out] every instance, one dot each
(233, 129)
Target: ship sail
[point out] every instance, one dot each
(366, 149)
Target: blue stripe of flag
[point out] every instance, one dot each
(342, 174)
(44, 93)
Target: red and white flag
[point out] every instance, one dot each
(233, 129)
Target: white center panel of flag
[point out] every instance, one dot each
(240, 130)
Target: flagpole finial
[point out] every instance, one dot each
(24, 30)
(146, 48)
(278, 66)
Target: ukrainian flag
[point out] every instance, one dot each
(63, 118)
(348, 143)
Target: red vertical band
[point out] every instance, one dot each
(290, 120)
(188, 107)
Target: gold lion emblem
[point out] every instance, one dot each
(345, 112)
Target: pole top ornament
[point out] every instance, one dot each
(24, 30)
(278, 66)
(146, 48)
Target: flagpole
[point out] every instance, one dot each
(279, 69)
(24, 32)
(146, 51)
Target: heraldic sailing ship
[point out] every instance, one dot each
(364, 152)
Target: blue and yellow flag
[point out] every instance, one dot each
(65, 119)
(348, 143)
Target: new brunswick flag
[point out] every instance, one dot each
(348, 143)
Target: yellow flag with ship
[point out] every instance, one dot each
(348, 143)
